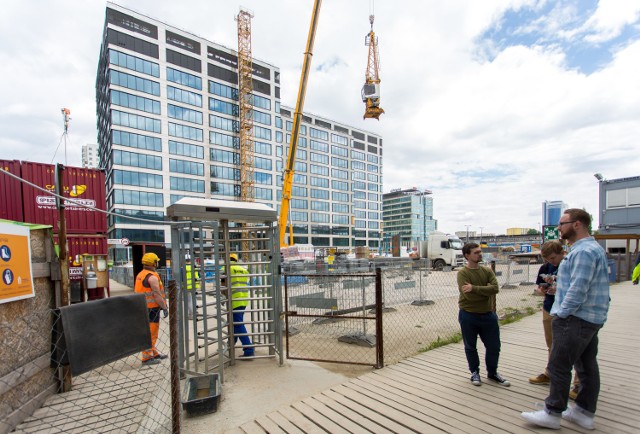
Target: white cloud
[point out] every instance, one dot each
(492, 139)
(610, 17)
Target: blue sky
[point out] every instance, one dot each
(494, 105)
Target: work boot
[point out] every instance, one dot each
(160, 356)
(540, 379)
(573, 393)
(150, 362)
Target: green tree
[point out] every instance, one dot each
(533, 232)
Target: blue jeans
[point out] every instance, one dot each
(486, 326)
(240, 331)
(575, 344)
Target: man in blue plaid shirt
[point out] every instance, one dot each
(579, 311)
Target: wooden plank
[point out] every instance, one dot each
(306, 425)
(338, 418)
(269, 426)
(367, 424)
(284, 423)
(317, 418)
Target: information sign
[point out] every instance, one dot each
(16, 281)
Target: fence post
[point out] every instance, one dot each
(379, 336)
(173, 353)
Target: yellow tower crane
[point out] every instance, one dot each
(245, 101)
(371, 88)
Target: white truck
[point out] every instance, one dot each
(443, 250)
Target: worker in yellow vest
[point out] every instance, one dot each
(239, 302)
(191, 278)
(148, 282)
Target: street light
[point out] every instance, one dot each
(599, 176)
(481, 228)
(467, 232)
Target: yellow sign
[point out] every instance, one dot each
(15, 263)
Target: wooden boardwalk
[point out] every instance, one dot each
(432, 393)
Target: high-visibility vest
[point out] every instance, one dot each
(140, 288)
(239, 282)
(188, 268)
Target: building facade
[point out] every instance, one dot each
(90, 156)
(552, 211)
(409, 214)
(619, 212)
(168, 127)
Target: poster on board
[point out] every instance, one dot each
(16, 281)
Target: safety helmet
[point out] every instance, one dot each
(150, 259)
(187, 257)
(233, 257)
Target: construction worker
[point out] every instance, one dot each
(148, 282)
(239, 302)
(191, 278)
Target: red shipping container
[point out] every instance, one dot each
(78, 245)
(10, 192)
(82, 185)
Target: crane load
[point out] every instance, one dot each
(371, 88)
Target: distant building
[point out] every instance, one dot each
(619, 212)
(409, 214)
(518, 231)
(552, 211)
(90, 155)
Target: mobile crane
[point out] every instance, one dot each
(370, 96)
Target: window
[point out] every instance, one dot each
(261, 118)
(340, 174)
(187, 167)
(136, 141)
(184, 114)
(220, 106)
(224, 140)
(134, 63)
(372, 158)
(186, 149)
(340, 197)
(372, 177)
(372, 187)
(177, 130)
(261, 102)
(222, 189)
(335, 138)
(184, 78)
(319, 146)
(262, 148)
(299, 216)
(134, 197)
(359, 204)
(340, 219)
(279, 137)
(339, 162)
(336, 150)
(224, 172)
(319, 194)
(263, 178)
(180, 95)
(359, 185)
(299, 191)
(357, 155)
(279, 122)
(372, 168)
(224, 156)
(299, 166)
(319, 182)
(261, 133)
(299, 203)
(135, 121)
(319, 158)
(149, 180)
(340, 207)
(624, 197)
(135, 102)
(299, 179)
(357, 165)
(135, 83)
(223, 90)
(186, 184)
(319, 134)
(340, 185)
(263, 193)
(358, 175)
(124, 158)
(374, 216)
(317, 217)
(319, 206)
(319, 170)
(262, 163)
(373, 225)
(223, 123)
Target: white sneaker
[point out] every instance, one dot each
(572, 414)
(541, 418)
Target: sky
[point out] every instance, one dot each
(493, 105)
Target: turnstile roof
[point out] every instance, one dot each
(189, 208)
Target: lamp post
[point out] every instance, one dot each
(467, 232)
(481, 228)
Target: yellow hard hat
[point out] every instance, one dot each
(150, 259)
(233, 257)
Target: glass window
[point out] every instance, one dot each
(340, 174)
(224, 156)
(261, 118)
(339, 162)
(319, 158)
(319, 134)
(357, 165)
(136, 141)
(135, 83)
(186, 184)
(263, 178)
(340, 197)
(220, 106)
(263, 193)
(298, 203)
(149, 180)
(186, 149)
(224, 123)
(260, 102)
(184, 114)
(132, 159)
(319, 182)
(134, 63)
(177, 130)
(224, 140)
(262, 148)
(317, 205)
(319, 194)
(222, 189)
(319, 146)
(261, 133)
(340, 207)
(262, 163)
(187, 167)
(223, 90)
(319, 170)
(184, 96)
(337, 150)
(340, 185)
(129, 197)
(357, 155)
(135, 121)
(184, 78)
(318, 217)
(299, 216)
(335, 138)
(224, 172)
(135, 102)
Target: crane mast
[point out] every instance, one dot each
(245, 100)
(287, 178)
(371, 88)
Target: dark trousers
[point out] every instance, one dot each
(486, 326)
(240, 331)
(575, 344)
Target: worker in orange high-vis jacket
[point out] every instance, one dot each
(148, 282)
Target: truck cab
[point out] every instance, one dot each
(443, 250)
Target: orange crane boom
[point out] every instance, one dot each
(371, 88)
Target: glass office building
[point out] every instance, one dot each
(552, 211)
(168, 127)
(409, 214)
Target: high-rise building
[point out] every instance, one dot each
(552, 211)
(409, 214)
(90, 155)
(168, 127)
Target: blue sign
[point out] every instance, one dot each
(7, 277)
(5, 253)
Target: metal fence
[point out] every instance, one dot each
(419, 307)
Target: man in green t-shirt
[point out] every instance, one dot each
(477, 317)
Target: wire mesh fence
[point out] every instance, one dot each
(332, 316)
(38, 392)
